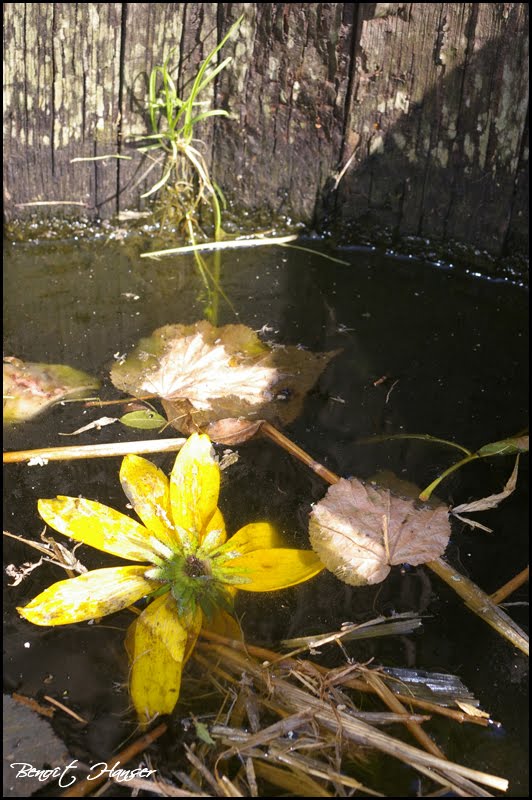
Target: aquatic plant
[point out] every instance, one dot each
(31, 388)
(186, 185)
(194, 574)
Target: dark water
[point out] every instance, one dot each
(452, 351)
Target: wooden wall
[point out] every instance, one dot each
(407, 116)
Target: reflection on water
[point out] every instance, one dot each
(423, 350)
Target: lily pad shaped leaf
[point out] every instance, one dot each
(360, 530)
(30, 387)
(222, 381)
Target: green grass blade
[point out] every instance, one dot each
(159, 184)
(426, 493)
(422, 436)
(200, 76)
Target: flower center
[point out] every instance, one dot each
(192, 583)
(194, 567)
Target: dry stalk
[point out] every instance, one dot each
(270, 658)
(74, 452)
(337, 721)
(510, 587)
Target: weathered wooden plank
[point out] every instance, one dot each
(424, 105)
(492, 121)
(437, 117)
(61, 77)
(287, 90)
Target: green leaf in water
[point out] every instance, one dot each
(505, 447)
(203, 732)
(145, 420)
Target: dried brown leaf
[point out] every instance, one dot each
(360, 530)
(493, 500)
(223, 381)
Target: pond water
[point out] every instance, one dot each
(422, 349)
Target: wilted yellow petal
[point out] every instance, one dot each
(88, 596)
(255, 536)
(224, 624)
(194, 487)
(147, 489)
(215, 534)
(269, 570)
(158, 645)
(97, 525)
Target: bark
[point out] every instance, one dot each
(406, 117)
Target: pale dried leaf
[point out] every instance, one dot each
(223, 381)
(493, 500)
(98, 424)
(360, 530)
(21, 573)
(472, 522)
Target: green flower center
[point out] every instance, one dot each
(191, 582)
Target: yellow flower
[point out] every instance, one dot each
(194, 571)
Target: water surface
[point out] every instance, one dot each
(421, 350)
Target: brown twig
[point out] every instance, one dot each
(283, 441)
(65, 709)
(271, 657)
(44, 711)
(84, 787)
(120, 401)
(510, 587)
(75, 452)
(394, 704)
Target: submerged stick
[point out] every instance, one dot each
(86, 786)
(510, 587)
(475, 599)
(481, 604)
(45, 454)
(283, 441)
(394, 704)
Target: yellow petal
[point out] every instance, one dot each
(224, 624)
(194, 487)
(269, 570)
(158, 645)
(215, 534)
(148, 491)
(255, 536)
(99, 526)
(88, 596)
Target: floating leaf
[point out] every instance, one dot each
(97, 424)
(486, 503)
(505, 447)
(223, 381)
(145, 419)
(31, 388)
(359, 530)
(202, 732)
